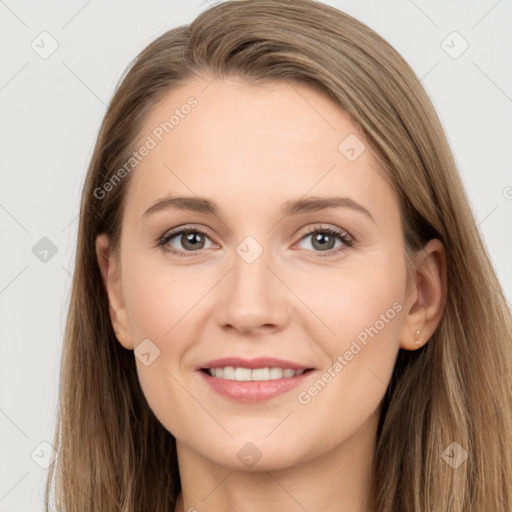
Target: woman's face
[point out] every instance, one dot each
(268, 275)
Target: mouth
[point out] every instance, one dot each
(242, 374)
(253, 380)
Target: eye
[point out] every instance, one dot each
(193, 239)
(324, 239)
(190, 238)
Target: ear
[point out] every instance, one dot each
(426, 296)
(111, 274)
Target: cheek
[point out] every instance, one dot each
(364, 294)
(160, 304)
(158, 298)
(363, 309)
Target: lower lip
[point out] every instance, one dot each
(254, 391)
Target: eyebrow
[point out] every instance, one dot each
(294, 207)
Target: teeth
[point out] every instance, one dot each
(260, 374)
(243, 374)
(228, 372)
(246, 374)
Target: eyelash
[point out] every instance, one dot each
(347, 240)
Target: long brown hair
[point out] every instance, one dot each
(114, 455)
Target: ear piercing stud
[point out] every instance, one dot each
(418, 342)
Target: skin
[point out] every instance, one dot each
(250, 149)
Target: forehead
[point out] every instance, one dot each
(233, 109)
(252, 144)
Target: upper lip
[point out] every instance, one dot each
(259, 362)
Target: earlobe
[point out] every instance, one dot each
(111, 276)
(426, 300)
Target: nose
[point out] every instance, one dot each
(253, 298)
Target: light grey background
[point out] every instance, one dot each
(51, 109)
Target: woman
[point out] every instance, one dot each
(281, 298)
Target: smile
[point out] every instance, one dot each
(256, 374)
